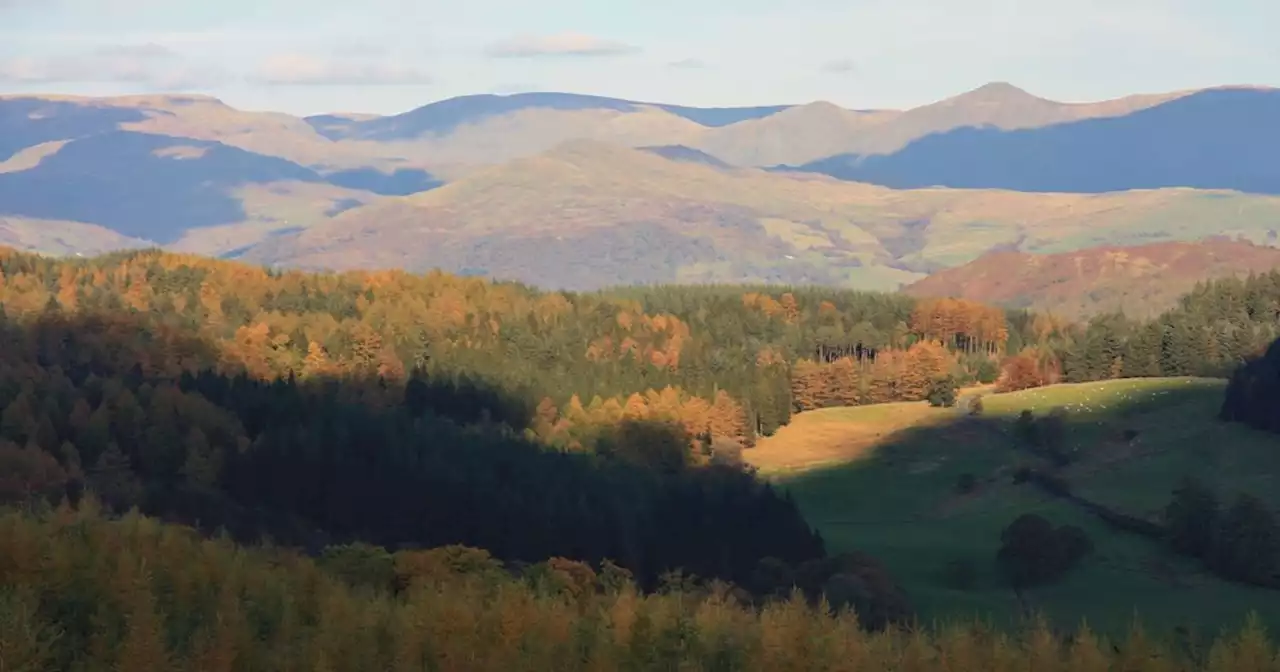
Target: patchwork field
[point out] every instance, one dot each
(883, 479)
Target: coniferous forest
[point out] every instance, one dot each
(217, 466)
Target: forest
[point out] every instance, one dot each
(346, 424)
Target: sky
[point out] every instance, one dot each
(389, 56)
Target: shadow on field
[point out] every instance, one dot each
(932, 501)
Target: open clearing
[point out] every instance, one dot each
(882, 479)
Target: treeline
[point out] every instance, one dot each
(1253, 393)
(535, 346)
(1214, 329)
(82, 593)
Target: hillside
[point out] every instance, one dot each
(891, 490)
(1140, 280)
(543, 187)
(336, 412)
(1213, 139)
(588, 215)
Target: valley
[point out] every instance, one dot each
(738, 339)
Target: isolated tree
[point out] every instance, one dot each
(1192, 518)
(942, 392)
(1034, 552)
(1247, 545)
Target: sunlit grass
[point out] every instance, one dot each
(896, 497)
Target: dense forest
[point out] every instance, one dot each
(324, 412)
(83, 593)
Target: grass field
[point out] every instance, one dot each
(882, 479)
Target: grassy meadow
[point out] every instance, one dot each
(883, 480)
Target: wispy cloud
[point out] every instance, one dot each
(148, 65)
(688, 63)
(563, 44)
(840, 66)
(294, 69)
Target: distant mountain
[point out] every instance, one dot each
(1141, 280)
(547, 187)
(27, 122)
(141, 185)
(1214, 139)
(441, 118)
(587, 214)
(60, 238)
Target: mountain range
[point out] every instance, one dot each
(579, 192)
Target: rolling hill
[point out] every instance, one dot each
(1141, 281)
(885, 483)
(589, 214)
(543, 187)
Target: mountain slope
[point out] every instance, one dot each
(140, 185)
(443, 117)
(588, 214)
(1215, 139)
(1141, 281)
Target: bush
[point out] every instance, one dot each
(942, 392)
(726, 451)
(1033, 552)
(1191, 518)
(1246, 545)
(1025, 429)
(987, 372)
(974, 407)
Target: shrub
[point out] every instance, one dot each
(726, 451)
(1033, 552)
(987, 372)
(1191, 517)
(942, 392)
(1025, 429)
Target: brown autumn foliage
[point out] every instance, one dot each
(893, 375)
(153, 596)
(967, 325)
(1027, 369)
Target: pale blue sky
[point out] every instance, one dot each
(388, 56)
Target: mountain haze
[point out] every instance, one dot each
(578, 191)
(588, 214)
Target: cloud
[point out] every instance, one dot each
(840, 66)
(293, 69)
(563, 44)
(149, 65)
(688, 63)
